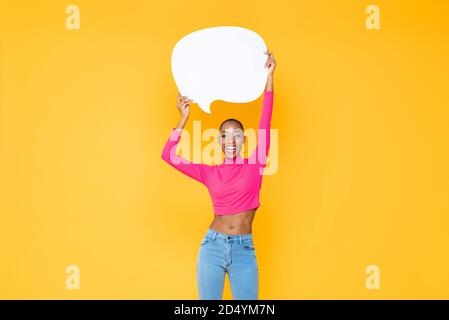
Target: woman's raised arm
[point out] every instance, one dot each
(260, 155)
(193, 170)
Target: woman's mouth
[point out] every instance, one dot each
(230, 148)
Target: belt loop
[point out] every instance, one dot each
(214, 235)
(240, 239)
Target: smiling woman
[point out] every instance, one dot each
(231, 137)
(234, 187)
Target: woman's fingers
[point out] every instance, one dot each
(270, 55)
(183, 105)
(181, 99)
(268, 61)
(187, 102)
(271, 62)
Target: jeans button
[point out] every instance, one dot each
(229, 237)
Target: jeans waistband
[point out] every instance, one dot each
(215, 234)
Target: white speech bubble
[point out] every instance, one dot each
(220, 63)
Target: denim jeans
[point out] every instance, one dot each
(233, 254)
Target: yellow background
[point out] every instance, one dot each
(363, 173)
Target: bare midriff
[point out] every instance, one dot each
(238, 223)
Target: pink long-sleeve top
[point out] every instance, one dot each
(233, 185)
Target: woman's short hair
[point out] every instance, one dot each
(232, 120)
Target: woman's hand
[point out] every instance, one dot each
(183, 106)
(270, 63)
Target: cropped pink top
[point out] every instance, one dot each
(233, 185)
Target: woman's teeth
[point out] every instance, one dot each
(230, 148)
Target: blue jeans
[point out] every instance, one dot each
(235, 254)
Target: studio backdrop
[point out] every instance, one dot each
(355, 204)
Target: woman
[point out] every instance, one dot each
(234, 187)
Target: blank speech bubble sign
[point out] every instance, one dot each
(220, 63)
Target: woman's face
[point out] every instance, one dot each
(232, 139)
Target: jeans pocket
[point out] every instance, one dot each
(205, 241)
(248, 244)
